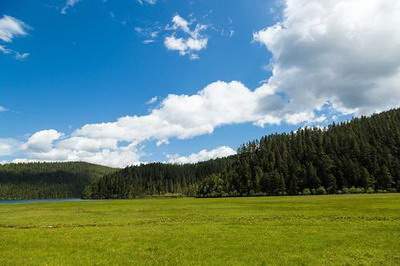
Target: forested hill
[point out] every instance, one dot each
(48, 180)
(156, 179)
(362, 155)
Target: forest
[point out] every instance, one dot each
(357, 156)
(48, 180)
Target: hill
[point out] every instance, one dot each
(48, 180)
(361, 155)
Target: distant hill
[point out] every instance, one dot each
(48, 180)
(156, 179)
(361, 155)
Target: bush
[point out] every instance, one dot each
(370, 190)
(320, 191)
(331, 190)
(212, 186)
(306, 191)
(356, 190)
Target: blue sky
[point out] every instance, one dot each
(92, 62)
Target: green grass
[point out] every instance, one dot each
(308, 230)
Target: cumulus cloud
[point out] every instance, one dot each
(51, 145)
(69, 4)
(335, 53)
(119, 143)
(338, 51)
(8, 146)
(185, 40)
(188, 116)
(118, 157)
(202, 155)
(42, 141)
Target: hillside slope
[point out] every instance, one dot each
(360, 155)
(48, 180)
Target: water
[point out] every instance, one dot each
(37, 201)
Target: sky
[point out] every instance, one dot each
(134, 81)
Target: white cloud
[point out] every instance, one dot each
(152, 100)
(180, 23)
(191, 42)
(21, 56)
(187, 116)
(87, 144)
(8, 146)
(150, 2)
(345, 53)
(4, 50)
(119, 143)
(203, 155)
(69, 4)
(148, 41)
(42, 141)
(10, 28)
(48, 146)
(3, 109)
(118, 157)
(338, 51)
(17, 55)
(149, 33)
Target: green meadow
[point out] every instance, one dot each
(303, 230)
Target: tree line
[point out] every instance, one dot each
(361, 155)
(155, 179)
(48, 180)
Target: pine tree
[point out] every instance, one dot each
(385, 179)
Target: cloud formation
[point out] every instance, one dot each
(11, 28)
(42, 141)
(149, 34)
(185, 40)
(338, 51)
(8, 146)
(149, 2)
(51, 145)
(119, 143)
(68, 4)
(187, 116)
(202, 155)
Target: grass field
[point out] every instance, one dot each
(308, 230)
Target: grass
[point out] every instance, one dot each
(308, 230)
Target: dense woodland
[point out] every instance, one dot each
(362, 155)
(48, 180)
(156, 179)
